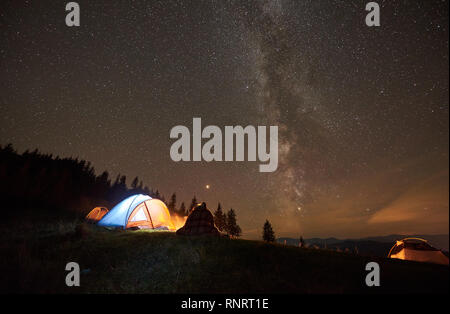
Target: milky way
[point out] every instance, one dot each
(362, 111)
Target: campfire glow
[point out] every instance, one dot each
(178, 221)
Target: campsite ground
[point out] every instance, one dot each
(34, 255)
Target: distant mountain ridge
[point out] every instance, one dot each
(375, 245)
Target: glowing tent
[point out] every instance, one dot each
(96, 214)
(416, 249)
(138, 211)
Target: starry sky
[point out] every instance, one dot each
(362, 111)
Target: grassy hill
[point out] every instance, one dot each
(378, 246)
(362, 247)
(34, 256)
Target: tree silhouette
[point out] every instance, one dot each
(172, 203)
(220, 219)
(123, 181)
(135, 183)
(36, 180)
(182, 210)
(232, 228)
(193, 203)
(268, 233)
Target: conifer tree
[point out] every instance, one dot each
(268, 233)
(220, 218)
(232, 228)
(193, 203)
(134, 184)
(172, 203)
(182, 210)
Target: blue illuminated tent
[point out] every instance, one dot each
(138, 211)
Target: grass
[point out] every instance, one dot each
(33, 259)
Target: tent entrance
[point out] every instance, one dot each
(140, 217)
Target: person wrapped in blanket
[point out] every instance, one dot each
(199, 222)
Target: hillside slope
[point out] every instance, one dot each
(161, 262)
(372, 246)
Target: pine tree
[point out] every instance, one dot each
(134, 184)
(116, 182)
(232, 228)
(182, 210)
(220, 218)
(268, 234)
(193, 203)
(173, 203)
(123, 181)
(104, 178)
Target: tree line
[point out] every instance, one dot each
(224, 221)
(268, 234)
(227, 222)
(35, 180)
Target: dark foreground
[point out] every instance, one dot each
(33, 260)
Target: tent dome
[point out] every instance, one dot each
(416, 249)
(96, 214)
(138, 211)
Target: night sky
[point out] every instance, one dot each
(362, 111)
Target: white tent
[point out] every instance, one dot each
(415, 249)
(138, 211)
